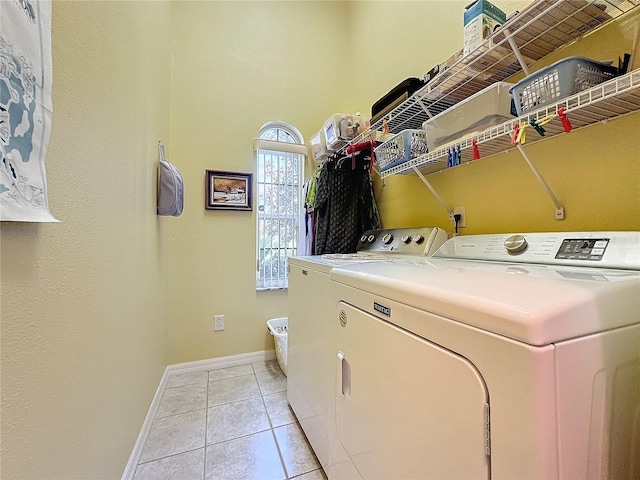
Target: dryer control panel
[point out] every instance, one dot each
(420, 241)
(583, 249)
(589, 249)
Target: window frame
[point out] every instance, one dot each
(294, 148)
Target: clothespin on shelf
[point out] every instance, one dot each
(514, 135)
(458, 155)
(476, 152)
(566, 124)
(547, 119)
(454, 156)
(538, 127)
(521, 138)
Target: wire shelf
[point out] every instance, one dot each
(541, 28)
(614, 98)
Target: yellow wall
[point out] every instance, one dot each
(95, 307)
(84, 301)
(236, 66)
(394, 40)
(594, 173)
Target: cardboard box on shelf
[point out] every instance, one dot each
(480, 20)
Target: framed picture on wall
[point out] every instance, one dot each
(227, 190)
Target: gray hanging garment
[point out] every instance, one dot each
(170, 187)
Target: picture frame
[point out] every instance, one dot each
(228, 190)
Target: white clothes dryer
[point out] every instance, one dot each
(311, 336)
(502, 356)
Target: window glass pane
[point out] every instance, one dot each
(293, 200)
(275, 168)
(268, 167)
(271, 134)
(285, 137)
(278, 135)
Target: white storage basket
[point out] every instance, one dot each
(340, 128)
(319, 146)
(486, 108)
(278, 328)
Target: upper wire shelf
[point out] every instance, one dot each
(616, 97)
(541, 28)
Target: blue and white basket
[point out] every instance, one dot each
(401, 148)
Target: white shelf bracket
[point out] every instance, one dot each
(433, 191)
(426, 110)
(516, 51)
(559, 207)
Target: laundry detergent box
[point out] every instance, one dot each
(480, 20)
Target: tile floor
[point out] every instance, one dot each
(230, 423)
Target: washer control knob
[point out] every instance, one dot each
(418, 239)
(515, 244)
(406, 239)
(387, 239)
(371, 238)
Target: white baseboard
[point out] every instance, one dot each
(222, 362)
(130, 469)
(188, 367)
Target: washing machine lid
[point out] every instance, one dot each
(324, 263)
(534, 303)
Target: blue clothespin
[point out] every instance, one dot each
(449, 158)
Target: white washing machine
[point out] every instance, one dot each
(502, 356)
(311, 336)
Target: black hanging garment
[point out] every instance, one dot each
(344, 204)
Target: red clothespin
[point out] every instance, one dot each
(476, 152)
(566, 124)
(514, 135)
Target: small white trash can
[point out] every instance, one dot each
(278, 328)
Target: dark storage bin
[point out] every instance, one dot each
(395, 97)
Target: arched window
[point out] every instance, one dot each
(280, 155)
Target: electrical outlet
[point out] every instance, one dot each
(218, 323)
(462, 223)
